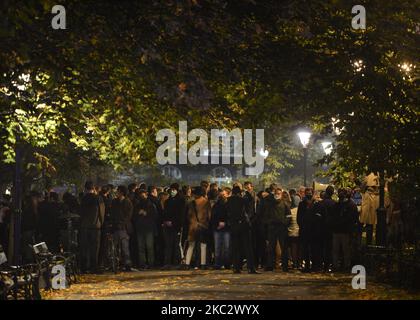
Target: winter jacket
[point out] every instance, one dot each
(92, 211)
(145, 216)
(219, 214)
(344, 217)
(276, 211)
(309, 219)
(326, 209)
(175, 209)
(121, 214)
(236, 212)
(198, 215)
(251, 205)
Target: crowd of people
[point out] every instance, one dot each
(202, 227)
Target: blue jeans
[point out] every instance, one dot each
(222, 248)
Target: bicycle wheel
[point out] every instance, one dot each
(113, 256)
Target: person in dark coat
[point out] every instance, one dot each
(92, 213)
(162, 197)
(240, 225)
(106, 198)
(173, 220)
(29, 226)
(251, 204)
(121, 214)
(134, 250)
(344, 218)
(221, 230)
(326, 207)
(276, 220)
(49, 213)
(310, 223)
(144, 218)
(261, 233)
(153, 196)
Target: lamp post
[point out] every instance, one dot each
(304, 137)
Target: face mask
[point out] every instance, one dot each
(173, 193)
(308, 197)
(277, 197)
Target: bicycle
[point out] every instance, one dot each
(112, 252)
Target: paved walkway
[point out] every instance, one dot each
(212, 284)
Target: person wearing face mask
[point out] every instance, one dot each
(276, 219)
(173, 219)
(343, 219)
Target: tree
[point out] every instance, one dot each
(121, 71)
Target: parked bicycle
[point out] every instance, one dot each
(113, 251)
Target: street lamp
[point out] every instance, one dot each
(304, 137)
(327, 146)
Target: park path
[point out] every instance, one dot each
(224, 285)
